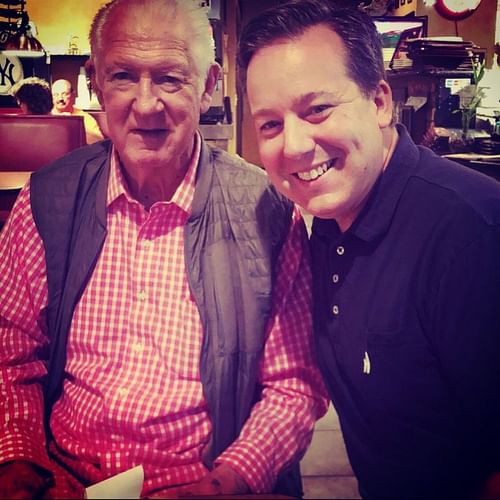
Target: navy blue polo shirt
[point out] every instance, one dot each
(407, 325)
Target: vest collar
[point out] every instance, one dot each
(203, 184)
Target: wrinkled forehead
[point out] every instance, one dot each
(142, 23)
(156, 30)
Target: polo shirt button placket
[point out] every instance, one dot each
(335, 279)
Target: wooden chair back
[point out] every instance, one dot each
(27, 142)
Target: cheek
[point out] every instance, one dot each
(117, 106)
(269, 153)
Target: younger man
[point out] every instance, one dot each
(405, 252)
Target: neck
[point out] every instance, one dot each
(151, 182)
(390, 139)
(152, 186)
(62, 112)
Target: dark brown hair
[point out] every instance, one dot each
(364, 60)
(35, 93)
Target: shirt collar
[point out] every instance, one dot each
(376, 216)
(183, 196)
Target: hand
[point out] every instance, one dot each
(223, 480)
(490, 489)
(22, 480)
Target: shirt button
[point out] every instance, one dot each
(335, 310)
(123, 391)
(138, 347)
(340, 250)
(141, 295)
(335, 278)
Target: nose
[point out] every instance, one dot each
(297, 138)
(146, 99)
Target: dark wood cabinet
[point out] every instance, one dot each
(411, 89)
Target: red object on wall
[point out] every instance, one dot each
(456, 9)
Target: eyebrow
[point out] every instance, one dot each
(302, 100)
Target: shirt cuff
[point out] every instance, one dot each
(251, 464)
(21, 446)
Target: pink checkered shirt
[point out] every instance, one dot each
(132, 392)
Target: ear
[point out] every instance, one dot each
(383, 101)
(210, 84)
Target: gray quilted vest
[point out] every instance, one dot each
(232, 240)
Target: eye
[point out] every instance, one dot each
(269, 128)
(318, 113)
(321, 108)
(121, 76)
(169, 82)
(167, 79)
(269, 125)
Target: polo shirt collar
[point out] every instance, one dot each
(376, 215)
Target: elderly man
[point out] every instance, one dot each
(64, 98)
(155, 292)
(405, 255)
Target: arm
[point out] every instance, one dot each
(280, 425)
(466, 330)
(22, 281)
(92, 130)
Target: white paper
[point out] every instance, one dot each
(127, 484)
(416, 102)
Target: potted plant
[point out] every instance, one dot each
(470, 99)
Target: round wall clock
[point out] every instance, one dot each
(456, 9)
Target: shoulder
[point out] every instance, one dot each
(452, 210)
(242, 176)
(63, 176)
(87, 117)
(235, 166)
(79, 157)
(438, 187)
(456, 189)
(249, 197)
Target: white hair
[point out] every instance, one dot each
(202, 47)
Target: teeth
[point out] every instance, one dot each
(315, 172)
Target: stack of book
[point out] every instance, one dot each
(487, 146)
(441, 55)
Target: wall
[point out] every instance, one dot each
(62, 22)
(232, 22)
(478, 28)
(246, 132)
(59, 22)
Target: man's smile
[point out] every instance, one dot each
(315, 172)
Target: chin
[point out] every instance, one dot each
(318, 208)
